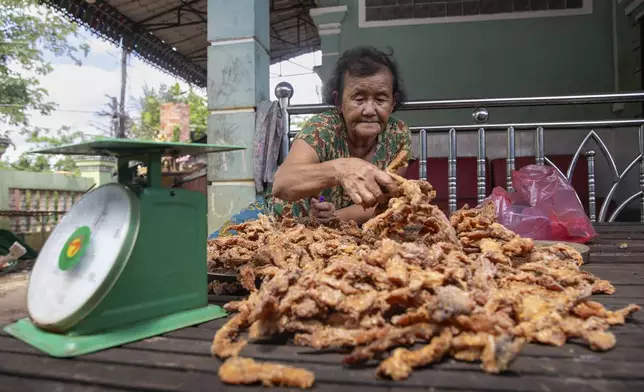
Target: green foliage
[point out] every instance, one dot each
(149, 122)
(28, 30)
(198, 114)
(45, 138)
(298, 121)
(176, 133)
(37, 163)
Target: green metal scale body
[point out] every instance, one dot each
(127, 262)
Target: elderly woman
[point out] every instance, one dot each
(335, 168)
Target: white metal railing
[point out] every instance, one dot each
(284, 92)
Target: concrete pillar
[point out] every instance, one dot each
(99, 169)
(238, 69)
(329, 22)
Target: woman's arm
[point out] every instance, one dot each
(302, 175)
(355, 213)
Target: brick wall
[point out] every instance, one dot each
(173, 114)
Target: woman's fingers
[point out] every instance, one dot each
(368, 199)
(385, 180)
(321, 205)
(374, 188)
(326, 214)
(350, 187)
(324, 206)
(322, 210)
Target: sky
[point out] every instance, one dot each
(80, 91)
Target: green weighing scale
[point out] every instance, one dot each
(127, 262)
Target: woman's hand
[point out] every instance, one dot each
(364, 182)
(322, 210)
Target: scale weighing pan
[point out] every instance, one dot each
(127, 262)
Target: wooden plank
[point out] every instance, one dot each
(203, 362)
(106, 374)
(615, 258)
(192, 334)
(632, 274)
(450, 374)
(22, 384)
(600, 240)
(440, 380)
(628, 291)
(619, 227)
(214, 324)
(177, 364)
(633, 235)
(569, 369)
(618, 246)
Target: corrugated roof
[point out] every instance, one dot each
(172, 34)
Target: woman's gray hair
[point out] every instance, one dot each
(359, 62)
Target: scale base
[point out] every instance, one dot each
(65, 346)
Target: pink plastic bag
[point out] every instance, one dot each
(544, 206)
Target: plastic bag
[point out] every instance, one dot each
(544, 206)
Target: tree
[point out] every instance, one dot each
(27, 30)
(198, 113)
(298, 121)
(111, 111)
(37, 163)
(149, 122)
(40, 138)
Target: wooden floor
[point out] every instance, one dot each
(180, 361)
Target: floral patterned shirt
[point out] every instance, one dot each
(327, 134)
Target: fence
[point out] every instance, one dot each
(284, 92)
(31, 204)
(35, 210)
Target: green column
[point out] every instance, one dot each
(97, 168)
(329, 21)
(238, 69)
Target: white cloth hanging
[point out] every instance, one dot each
(269, 129)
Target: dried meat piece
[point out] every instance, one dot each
(223, 344)
(393, 338)
(246, 371)
(402, 361)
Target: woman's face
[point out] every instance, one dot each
(367, 103)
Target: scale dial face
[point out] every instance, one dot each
(83, 257)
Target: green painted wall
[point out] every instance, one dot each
(521, 57)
